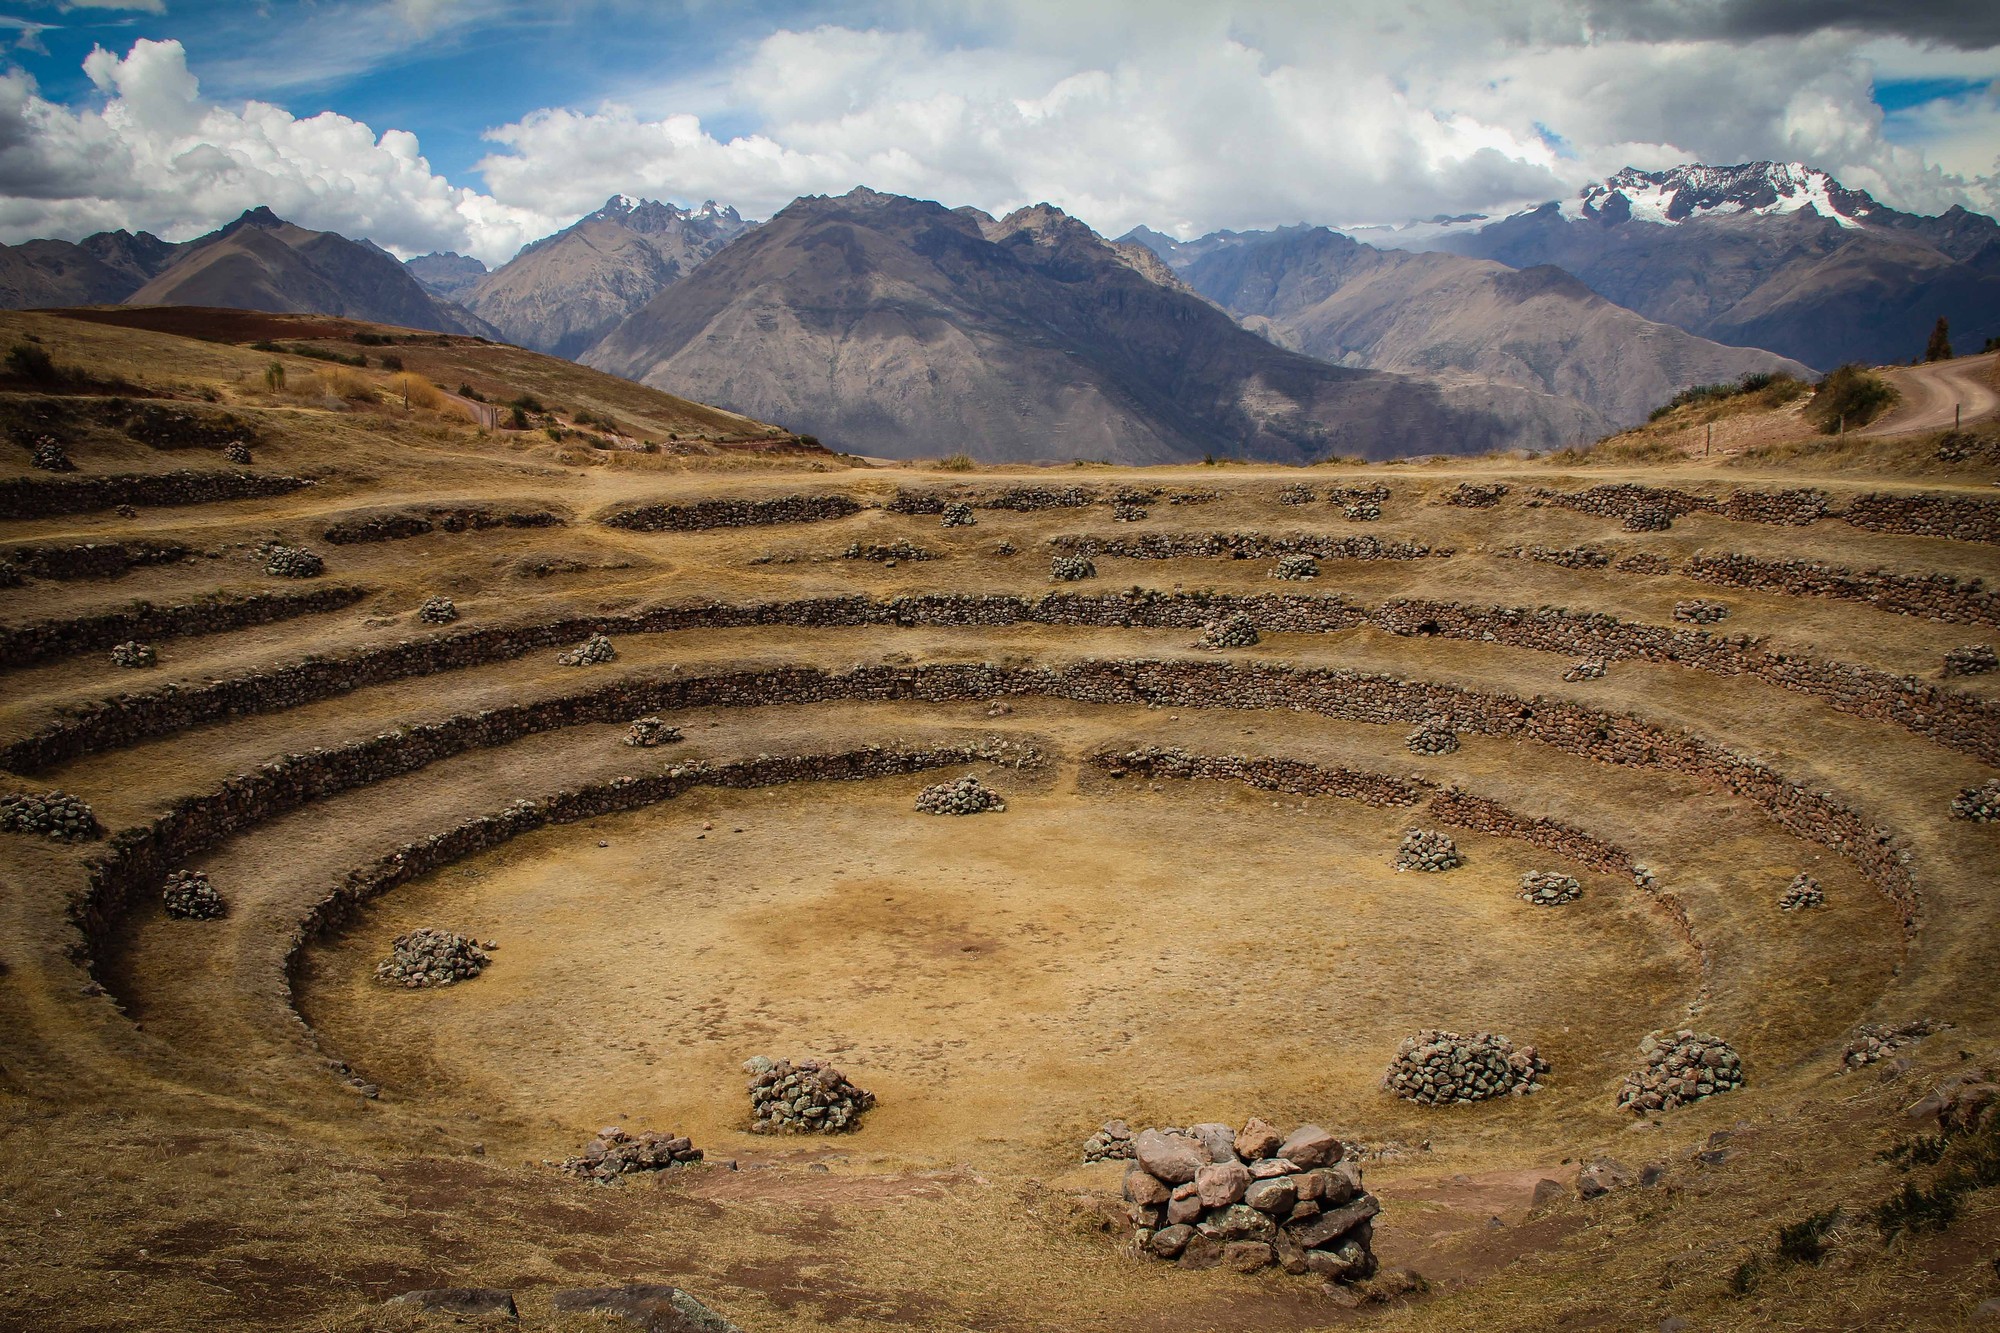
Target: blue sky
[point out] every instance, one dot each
(1182, 114)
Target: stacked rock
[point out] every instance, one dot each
(50, 456)
(1681, 1067)
(1547, 888)
(1878, 1041)
(1441, 1068)
(1362, 509)
(614, 1153)
(646, 732)
(1649, 518)
(1211, 1196)
(967, 796)
(890, 553)
(803, 1097)
(1698, 611)
(1232, 631)
(237, 452)
(1427, 850)
(292, 562)
(597, 648)
(1070, 568)
(1589, 668)
(437, 611)
(1123, 512)
(1803, 891)
(190, 897)
(1298, 493)
(1468, 496)
(1645, 562)
(53, 814)
(957, 514)
(1433, 736)
(1295, 568)
(428, 957)
(1979, 804)
(134, 654)
(1111, 1143)
(1974, 659)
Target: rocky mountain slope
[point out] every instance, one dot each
(1772, 255)
(446, 274)
(564, 292)
(895, 326)
(1326, 295)
(98, 270)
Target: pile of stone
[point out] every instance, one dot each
(438, 611)
(50, 456)
(1649, 518)
(1696, 611)
(593, 650)
(889, 553)
(1427, 850)
(1441, 1068)
(134, 655)
(967, 796)
(1878, 1041)
(1360, 504)
(1979, 804)
(1295, 568)
(428, 957)
(1563, 557)
(1070, 568)
(733, 513)
(291, 562)
(803, 1097)
(1468, 496)
(1111, 1143)
(957, 514)
(189, 896)
(1298, 493)
(1681, 1067)
(1589, 668)
(237, 452)
(1127, 513)
(1974, 659)
(646, 732)
(1644, 562)
(1209, 1196)
(53, 814)
(614, 1153)
(1803, 891)
(1433, 736)
(1231, 631)
(1549, 888)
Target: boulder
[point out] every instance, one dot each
(655, 1309)
(1173, 1158)
(1331, 1225)
(480, 1305)
(1218, 1140)
(1247, 1256)
(1310, 1146)
(1168, 1242)
(1275, 1196)
(1548, 1193)
(1200, 1252)
(1238, 1222)
(1596, 1179)
(1220, 1184)
(1257, 1139)
(1144, 1188)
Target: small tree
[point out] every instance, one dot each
(274, 376)
(1939, 347)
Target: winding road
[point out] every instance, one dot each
(1934, 392)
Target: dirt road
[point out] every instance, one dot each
(1934, 392)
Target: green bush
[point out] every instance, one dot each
(32, 363)
(1848, 398)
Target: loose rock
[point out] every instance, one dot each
(189, 896)
(134, 655)
(967, 796)
(593, 650)
(805, 1097)
(1878, 1041)
(1697, 611)
(1589, 668)
(1803, 891)
(1979, 804)
(647, 732)
(291, 562)
(1438, 1068)
(1295, 568)
(427, 957)
(1427, 850)
(958, 514)
(1681, 1067)
(1111, 1143)
(1231, 631)
(1071, 568)
(1975, 659)
(614, 1153)
(437, 611)
(53, 814)
(1547, 888)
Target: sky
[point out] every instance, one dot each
(477, 126)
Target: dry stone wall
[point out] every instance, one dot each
(1933, 596)
(1959, 517)
(36, 641)
(703, 514)
(24, 498)
(1246, 546)
(404, 524)
(90, 560)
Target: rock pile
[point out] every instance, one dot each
(593, 650)
(291, 562)
(1648, 518)
(967, 796)
(1980, 804)
(1589, 668)
(1645, 562)
(1360, 504)
(1070, 568)
(733, 513)
(1974, 659)
(1298, 493)
(1803, 891)
(1466, 495)
(50, 456)
(889, 553)
(1111, 1143)
(1548, 888)
(1433, 736)
(189, 896)
(134, 655)
(614, 1153)
(1295, 568)
(1696, 611)
(1127, 513)
(237, 452)
(428, 957)
(1878, 1041)
(438, 611)
(1209, 1196)
(806, 1097)
(1564, 557)
(1442, 1068)
(647, 732)
(1427, 850)
(1231, 631)
(957, 514)
(1681, 1067)
(53, 814)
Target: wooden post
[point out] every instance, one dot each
(1957, 410)
(1710, 441)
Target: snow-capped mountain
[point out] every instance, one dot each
(1765, 189)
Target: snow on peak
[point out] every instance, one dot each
(1767, 189)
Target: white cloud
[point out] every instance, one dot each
(143, 6)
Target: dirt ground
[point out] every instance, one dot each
(175, 1150)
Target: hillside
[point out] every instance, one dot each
(898, 327)
(1323, 294)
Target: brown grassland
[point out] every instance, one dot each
(175, 1153)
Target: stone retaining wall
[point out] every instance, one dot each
(1935, 596)
(21, 497)
(90, 560)
(1246, 546)
(703, 514)
(415, 523)
(1959, 517)
(40, 640)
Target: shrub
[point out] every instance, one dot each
(274, 376)
(392, 363)
(1804, 1242)
(467, 391)
(1939, 346)
(419, 392)
(520, 417)
(343, 384)
(958, 462)
(527, 402)
(31, 363)
(1850, 396)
